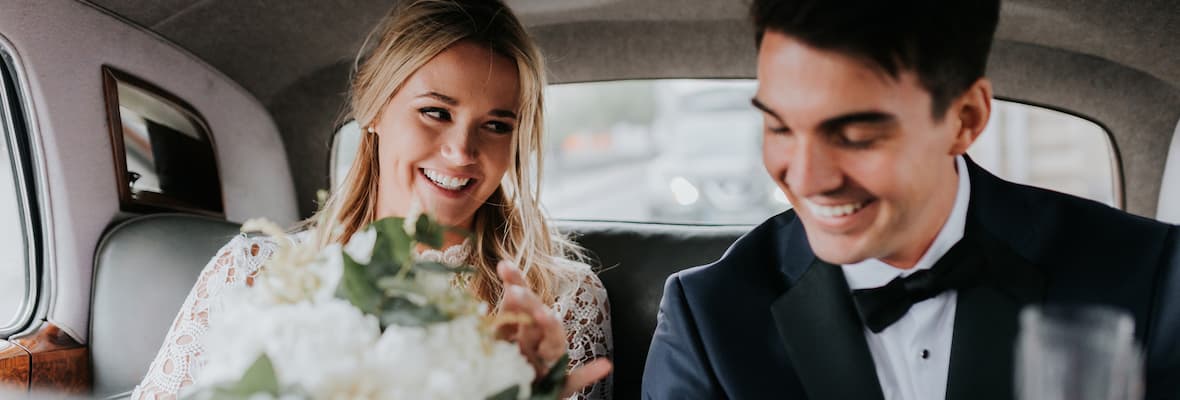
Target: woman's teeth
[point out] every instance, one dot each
(837, 210)
(445, 181)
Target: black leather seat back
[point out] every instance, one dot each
(636, 260)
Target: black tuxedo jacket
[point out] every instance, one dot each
(770, 320)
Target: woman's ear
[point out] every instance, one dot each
(971, 112)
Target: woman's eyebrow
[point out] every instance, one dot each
(450, 101)
(502, 113)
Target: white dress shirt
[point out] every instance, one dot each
(912, 356)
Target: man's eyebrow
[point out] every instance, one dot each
(502, 113)
(861, 117)
(758, 104)
(450, 101)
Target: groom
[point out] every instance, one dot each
(902, 269)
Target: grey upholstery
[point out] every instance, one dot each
(636, 260)
(144, 268)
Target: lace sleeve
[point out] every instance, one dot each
(585, 313)
(179, 360)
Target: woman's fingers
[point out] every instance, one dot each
(509, 274)
(584, 376)
(543, 341)
(553, 342)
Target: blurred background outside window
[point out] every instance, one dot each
(689, 151)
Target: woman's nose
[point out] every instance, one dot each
(459, 146)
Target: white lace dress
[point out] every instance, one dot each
(581, 304)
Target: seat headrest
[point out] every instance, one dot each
(143, 269)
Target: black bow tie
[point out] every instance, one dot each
(957, 269)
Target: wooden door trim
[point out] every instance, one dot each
(56, 361)
(14, 366)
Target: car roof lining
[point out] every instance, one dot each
(1102, 59)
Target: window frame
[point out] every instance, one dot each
(19, 132)
(1116, 157)
(162, 202)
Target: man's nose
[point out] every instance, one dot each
(459, 145)
(812, 169)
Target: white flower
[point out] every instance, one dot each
(410, 225)
(451, 360)
(329, 268)
(310, 344)
(295, 274)
(360, 246)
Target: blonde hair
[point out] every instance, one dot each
(510, 225)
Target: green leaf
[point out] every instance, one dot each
(259, 378)
(549, 386)
(393, 243)
(410, 314)
(507, 394)
(429, 232)
(357, 287)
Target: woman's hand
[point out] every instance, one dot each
(543, 341)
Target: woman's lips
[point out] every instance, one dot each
(447, 183)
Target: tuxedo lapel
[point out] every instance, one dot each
(982, 364)
(824, 338)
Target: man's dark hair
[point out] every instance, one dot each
(945, 42)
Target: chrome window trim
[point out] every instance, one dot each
(40, 268)
(1168, 209)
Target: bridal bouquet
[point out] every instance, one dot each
(365, 320)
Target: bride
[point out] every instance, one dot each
(450, 103)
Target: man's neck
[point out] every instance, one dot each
(944, 204)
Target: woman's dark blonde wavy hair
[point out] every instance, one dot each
(510, 225)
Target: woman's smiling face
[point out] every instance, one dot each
(446, 135)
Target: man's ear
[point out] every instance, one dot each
(971, 112)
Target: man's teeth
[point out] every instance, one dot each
(836, 211)
(446, 182)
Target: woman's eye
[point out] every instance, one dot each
(435, 113)
(498, 127)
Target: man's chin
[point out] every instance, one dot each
(838, 252)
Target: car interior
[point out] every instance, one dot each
(100, 255)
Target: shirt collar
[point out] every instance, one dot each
(873, 273)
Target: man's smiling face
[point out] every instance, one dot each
(868, 169)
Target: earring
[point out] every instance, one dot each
(370, 129)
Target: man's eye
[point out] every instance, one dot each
(435, 113)
(778, 130)
(854, 144)
(498, 127)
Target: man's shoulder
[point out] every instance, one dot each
(1071, 237)
(1068, 218)
(752, 261)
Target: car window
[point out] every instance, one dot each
(689, 151)
(681, 151)
(16, 250)
(344, 147)
(1050, 149)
